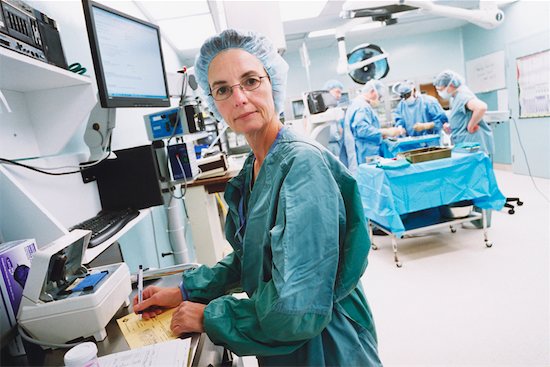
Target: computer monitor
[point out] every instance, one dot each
(344, 99)
(298, 108)
(127, 57)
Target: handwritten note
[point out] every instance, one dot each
(139, 333)
(171, 353)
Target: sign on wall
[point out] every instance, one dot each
(486, 73)
(533, 73)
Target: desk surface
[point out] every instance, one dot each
(386, 194)
(207, 353)
(213, 180)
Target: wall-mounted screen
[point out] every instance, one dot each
(127, 57)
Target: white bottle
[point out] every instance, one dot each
(82, 355)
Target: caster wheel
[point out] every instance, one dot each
(453, 230)
(520, 203)
(373, 246)
(489, 244)
(511, 211)
(398, 264)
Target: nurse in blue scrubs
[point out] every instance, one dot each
(466, 124)
(418, 114)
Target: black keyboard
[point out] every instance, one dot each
(106, 224)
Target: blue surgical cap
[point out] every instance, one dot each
(253, 43)
(446, 77)
(403, 87)
(373, 84)
(333, 84)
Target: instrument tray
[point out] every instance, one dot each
(426, 154)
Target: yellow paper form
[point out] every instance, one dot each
(139, 333)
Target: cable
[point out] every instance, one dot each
(527, 161)
(25, 336)
(81, 168)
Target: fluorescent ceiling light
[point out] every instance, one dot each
(294, 10)
(332, 31)
(189, 32)
(163, 10)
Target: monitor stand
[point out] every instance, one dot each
(99, 129)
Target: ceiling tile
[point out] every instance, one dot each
(161, 10)
(188, 32)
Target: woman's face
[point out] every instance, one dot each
(244, 111)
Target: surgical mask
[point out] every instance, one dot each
(444, 94)
(410, 101)
(375, 103)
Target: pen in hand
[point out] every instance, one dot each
(140, 286)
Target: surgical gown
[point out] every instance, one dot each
(424, 109)
(362, 123)
(459, 118)
(300, 246)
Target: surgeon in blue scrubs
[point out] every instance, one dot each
(335, 88)
(362, 133)
(466, 124)
(296, 225)
(418, 114)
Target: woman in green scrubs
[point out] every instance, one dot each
(296, 225)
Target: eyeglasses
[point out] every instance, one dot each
(225, 91)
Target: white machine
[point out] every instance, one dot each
(63, 300)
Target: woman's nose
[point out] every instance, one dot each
(239, 96)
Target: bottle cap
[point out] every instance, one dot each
(81, 355)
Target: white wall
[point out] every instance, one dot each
(419, 57)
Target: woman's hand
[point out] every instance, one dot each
(156, 300)
(447, 128)
(188, 318)
(472, 128)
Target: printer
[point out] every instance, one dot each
(63, 300)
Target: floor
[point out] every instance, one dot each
(456, 302)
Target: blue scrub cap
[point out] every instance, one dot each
(332, 84)
(253, 43)
(373, 84)
(446, 77)
(403, 87)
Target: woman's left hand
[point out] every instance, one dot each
(188, 318)
(472, 128)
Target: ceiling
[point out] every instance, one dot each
(296, 31)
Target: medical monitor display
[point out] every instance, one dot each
(298, 108)
(127, 57)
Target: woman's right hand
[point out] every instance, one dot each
(156, 300)
(447, 128)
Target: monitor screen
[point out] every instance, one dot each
(298, 108)
(127, 57)
(344, 99)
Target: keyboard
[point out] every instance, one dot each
(106, 224)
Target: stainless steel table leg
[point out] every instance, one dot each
(485, 235)
(394, 245)
(372, 244)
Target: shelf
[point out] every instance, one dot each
(92, 253)
(49, 104)
(22, 73)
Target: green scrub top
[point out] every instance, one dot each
(300, 249)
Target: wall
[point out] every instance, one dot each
(419, 57)
(526, 30)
